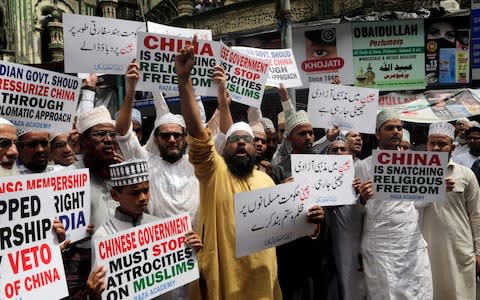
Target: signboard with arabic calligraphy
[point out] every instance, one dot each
(389, 55)
(350, 108)
(330, 177)
(270, 217)
(99, 45)
(282, 69)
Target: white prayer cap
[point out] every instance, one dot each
(5, 122)
(98, 115)
(462, 120)
(267, 123)
(239, 126)
(170, 118)
(406, 135)
(474, 124)
(129, 172)
(443, 128)
(385, 115)
(136, 115)
(53, 134)
(22, 131)
(300, 117)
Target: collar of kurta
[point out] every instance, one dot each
(126, 218)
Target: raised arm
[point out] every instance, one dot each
(124, 119)
(224, 100)
(184, 61)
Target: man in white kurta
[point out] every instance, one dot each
(452, 228)
(395, 256)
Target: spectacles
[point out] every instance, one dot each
(236, 138)
(32, 144)
(166, 135)
(102, 134)
(6, 143)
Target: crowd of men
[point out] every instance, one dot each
(375, 249)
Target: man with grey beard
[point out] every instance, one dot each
(8, 149)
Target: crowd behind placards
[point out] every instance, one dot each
(217, 209)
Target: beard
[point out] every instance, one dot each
(172, 156)
(8, 172)
(242, 166)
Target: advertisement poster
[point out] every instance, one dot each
(36, 99)
(447, 52)
(409, 175)
(389, 55)
(323, 52)
(99, 45)
(475, 40)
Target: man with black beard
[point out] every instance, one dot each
(307, 276)
(222, 275)
(173, 182)
(33, 148)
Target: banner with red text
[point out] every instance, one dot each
(37, 99)
(156, 56)
(409, 175)
(147, 260)
(282, 69)
(246, 76)
(330, 177)
(350, 108)
(31, 265)
(99, 45)
(271, 217)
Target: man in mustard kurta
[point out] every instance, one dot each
(452, 228)
(222, 275)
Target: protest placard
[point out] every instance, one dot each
(99, 45)
(202, 34)
(246, 76)
(270, 217)
(330, 177)
(156, 56)
(350, 108)
(31, 265)
(282, 69)
(69, 198)
(36, 99)
(409, 175)
(147, 260)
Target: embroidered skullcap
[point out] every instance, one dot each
(474, 124)
(267, 123)
(129, 172)
(343, 135)
(170, 118)
(442, 128)
(300, 117)
(385, 115)
(99, 115)
(281, 118)
(22, 131)
(239, 126)
(406, 135)
(136, 115)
